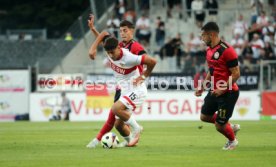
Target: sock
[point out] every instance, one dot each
(228, 132)
(213, 120)
(127, 138)
(108, 125)
(133, 124)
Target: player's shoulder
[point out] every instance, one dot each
(228, 51)
(136, 46)
(226, 47)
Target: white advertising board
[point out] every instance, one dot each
(161, 105)
(14, 93)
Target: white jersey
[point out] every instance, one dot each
(126, 69)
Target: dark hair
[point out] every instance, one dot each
(111, 43)
(210, 26)
(126, 23)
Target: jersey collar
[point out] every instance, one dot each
(130, 41)
(216, 44)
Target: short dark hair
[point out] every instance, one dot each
(210, 26)
(126, 23)
(111, 43)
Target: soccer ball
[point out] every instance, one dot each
(110, 140)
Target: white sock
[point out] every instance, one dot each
(132, 122)
(127, 138)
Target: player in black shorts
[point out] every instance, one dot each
(223, 73)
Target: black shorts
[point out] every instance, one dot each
(117, 95)
(224, 104)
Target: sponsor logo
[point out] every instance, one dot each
(4, 105)
(216, 55)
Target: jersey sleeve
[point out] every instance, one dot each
(134, 60)
(137, 49)
(231, 58)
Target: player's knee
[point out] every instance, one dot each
(204, 118)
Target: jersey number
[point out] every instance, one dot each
(133, 96)
(222, 113)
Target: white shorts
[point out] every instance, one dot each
(135, 98)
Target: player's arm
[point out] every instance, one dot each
(92, 26)
(150, 62)
(206, 81)
(235, 75)
(233, 66)
(96, 43)
(201, 88)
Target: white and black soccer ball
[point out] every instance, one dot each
(110, 140)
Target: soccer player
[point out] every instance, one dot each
(223, 73)
(133, 89)
(126, 33)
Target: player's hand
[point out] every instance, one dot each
(91, 21)
(138, 81)
(217, 92)
(198, 92)
(93, 53)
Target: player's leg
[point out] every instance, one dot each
(209, 108)
(107, 127)
(127, 103)
(123, 113)
(122, 128)
(226, 104)
(124, 131)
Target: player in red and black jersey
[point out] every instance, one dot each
(126, 34)
(223, 73)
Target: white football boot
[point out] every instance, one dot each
(123, 144)
(135, 137)
(93, 143)
(231, 145)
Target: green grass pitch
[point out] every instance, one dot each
(179, 143)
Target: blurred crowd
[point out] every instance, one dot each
(253, 39)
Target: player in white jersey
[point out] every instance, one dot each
(125, 67)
